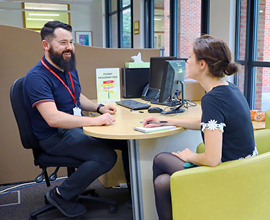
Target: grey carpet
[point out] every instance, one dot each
(19, 204)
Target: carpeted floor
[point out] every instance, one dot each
(18, 204)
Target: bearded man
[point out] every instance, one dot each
(53, 98)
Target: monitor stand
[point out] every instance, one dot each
(167, 103)
(181, 103)
(177, 110)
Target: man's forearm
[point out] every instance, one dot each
(87, 105)
(67, 121)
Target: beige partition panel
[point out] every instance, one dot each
(90, 58)
(20, 50)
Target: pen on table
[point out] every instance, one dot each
(136, 111)
(154, 122)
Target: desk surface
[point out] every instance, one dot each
(143, 151)
(125, 121)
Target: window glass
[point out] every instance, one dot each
(113, 5)
(127, 28)
(162, 26)
(260, 48)
(241, 77)
(114, 31)
(263, 43)
(125, 3)
(242, 34)
(189, 25)
(262, 94)
(120, 34)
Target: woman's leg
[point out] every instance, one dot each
(164, 165)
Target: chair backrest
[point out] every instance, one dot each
(28, 139)
(267, 119)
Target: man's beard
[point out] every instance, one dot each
(58, 59)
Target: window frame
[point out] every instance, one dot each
(249, 62)
(149, 7)
(119, 12)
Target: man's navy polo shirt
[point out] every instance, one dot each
(40, 85)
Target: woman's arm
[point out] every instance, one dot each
(213, 150)
(188, 123)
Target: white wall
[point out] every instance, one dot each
(96, 20)
(84, 17)
(138, 15)
(222, 23)
(11, 17)
(89, 18)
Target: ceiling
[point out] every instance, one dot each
(158, 3)
(53, 1)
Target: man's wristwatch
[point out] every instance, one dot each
(100, 105)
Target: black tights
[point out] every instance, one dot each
(164, 165)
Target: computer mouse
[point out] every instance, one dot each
(155, 110)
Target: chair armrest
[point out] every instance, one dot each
(262, 140)
(267, 119)
(233, 190)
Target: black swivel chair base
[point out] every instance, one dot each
(83, 199)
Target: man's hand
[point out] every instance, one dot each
(105, 119)
(108, 109)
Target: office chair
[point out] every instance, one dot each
(43, 160)
(236, 189)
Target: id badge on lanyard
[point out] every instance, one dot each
(76, 110)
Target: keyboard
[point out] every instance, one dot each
(132, 104)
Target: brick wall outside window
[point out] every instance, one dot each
(263, 49)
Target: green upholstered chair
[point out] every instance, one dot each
(235, 190)
(267, 119)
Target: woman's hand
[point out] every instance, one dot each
(183, 155)
(146, 122)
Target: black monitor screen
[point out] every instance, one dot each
(157, 65)
(174, 72)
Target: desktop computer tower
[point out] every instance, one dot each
(133, 81)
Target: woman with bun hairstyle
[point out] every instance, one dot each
(225, 124)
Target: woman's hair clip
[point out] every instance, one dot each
(216, 63)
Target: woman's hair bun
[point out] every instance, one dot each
(231, 69)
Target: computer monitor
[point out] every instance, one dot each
(173, 84)
(157, 65)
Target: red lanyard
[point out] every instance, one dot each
(72, 94)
